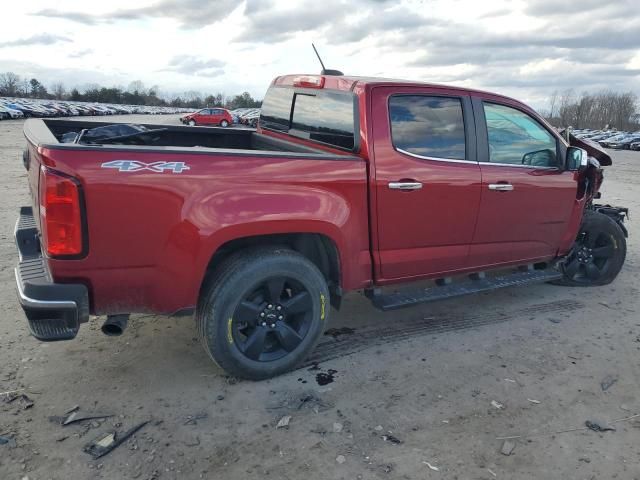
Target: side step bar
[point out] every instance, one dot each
(447, 289)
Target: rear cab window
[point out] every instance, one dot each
(326, 117)
(430, 127)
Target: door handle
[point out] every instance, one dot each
(405, 186)
(501, 187)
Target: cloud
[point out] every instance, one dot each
(39, 39)
(81, 53)
(189, 13)
(190, 65)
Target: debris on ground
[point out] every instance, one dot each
(554, 320)
(24, 401)
(323, 378)
(596, 427)
(337, 427)
(106, 442)
(341, 459)
(391, 439)
(533, 401)
(497, 405)
(492, 472)
(72, 409)
(11, 442)
(284, 422)
(75, 416)
(336, 332)
(193, 419)
(10, 392)
(507, 447)
(432, 467)
(608, 382)
(379, 428)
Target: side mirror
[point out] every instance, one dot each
(577, 159)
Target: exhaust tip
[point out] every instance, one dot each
(115, 325)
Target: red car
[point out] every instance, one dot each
(209, 116)
(347, 184)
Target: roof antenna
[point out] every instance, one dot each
(324, 70)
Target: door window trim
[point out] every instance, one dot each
(467, 119)
(483, 136)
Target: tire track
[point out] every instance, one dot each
(367, 338)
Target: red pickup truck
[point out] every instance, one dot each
(348, 183)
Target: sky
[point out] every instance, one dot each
(522, 48)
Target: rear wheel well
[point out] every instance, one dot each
(318, 248)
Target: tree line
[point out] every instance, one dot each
(605, 109)
(13, 85)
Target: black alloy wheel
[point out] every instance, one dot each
(272, 319)
(262, 311)
(598, 253)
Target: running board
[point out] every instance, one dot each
(446, 289)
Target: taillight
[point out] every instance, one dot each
(61, 215)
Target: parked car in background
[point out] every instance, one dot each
(250, 117)
(11, 113)
(635, 146)
(623, 143)
(209, 116)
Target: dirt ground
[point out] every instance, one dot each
(422, 393)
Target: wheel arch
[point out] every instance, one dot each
(319, 248)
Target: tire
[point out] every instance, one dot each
(240, 331)
(597, 255)
(224, 123)
(192, 123)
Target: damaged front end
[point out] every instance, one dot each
(591, 179)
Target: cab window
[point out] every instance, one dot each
(516, 138)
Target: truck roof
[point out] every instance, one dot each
(348, 82)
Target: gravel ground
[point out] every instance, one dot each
(414, 394)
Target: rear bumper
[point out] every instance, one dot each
(54, 310)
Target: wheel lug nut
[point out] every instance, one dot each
(280, 317)
(273, 325)
(262, 314)
(279, 307)
(269, 306)
(264, 324)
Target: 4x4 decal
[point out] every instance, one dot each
(136, 166)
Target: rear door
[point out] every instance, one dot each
(427, 181)
(527, 196)
(217, 115)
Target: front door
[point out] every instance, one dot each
(527, 196)
(427, 181)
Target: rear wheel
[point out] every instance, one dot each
(262, 312)
(224, 123)
(598, 253)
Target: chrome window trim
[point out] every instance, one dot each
(518, 166)
(437, 159)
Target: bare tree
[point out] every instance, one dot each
(9, 83)
(58, 90)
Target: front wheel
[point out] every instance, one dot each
(262, 312)
(192, 123)
(597, 255)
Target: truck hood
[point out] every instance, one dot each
(592, 148)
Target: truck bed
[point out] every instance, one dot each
(180, 138)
